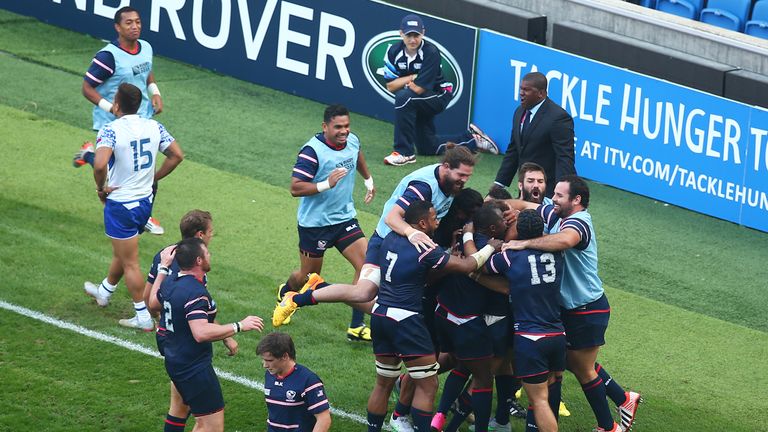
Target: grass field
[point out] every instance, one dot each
(688, 292)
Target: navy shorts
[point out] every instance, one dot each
(160, 337)
(315, 241)
(499, 334)
(372, 253)
(124, 220)
(202, 392)
(469, 340)
(395, 334)
(585, 326)
(535, 359)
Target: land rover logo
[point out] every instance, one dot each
(373, 61)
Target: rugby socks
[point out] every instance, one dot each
(286, 287)
(482, 399)
(304, 299)
(174, 424)
(141, 311)
(89, 157)
(357, 319)
(460, 413)
(455, 381)
(421, 419)
(530, 420)
(106, 289)
(401, 410)
(595, 393)
(517, 384)
(504, 397)
(555, 394)
(612, 388)
(375, 421)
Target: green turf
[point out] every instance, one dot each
(670, 354)
(698, 370)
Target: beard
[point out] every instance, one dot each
(535, 195)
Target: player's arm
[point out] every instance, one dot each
(105, 142)
(303, 181)
(395, 219)
(230, 343)
(400, 82)
(430, 69)
(172, 151)
(362, 168)
(203, 331)
(322, 421)
(154, 93)
(166, 258)
(102, 68)
(473, 261)
(557, 242)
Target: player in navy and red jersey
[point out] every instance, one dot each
(196, 223)
(464, 329)
(534, 291)
(295, 396)
(323, 179)
(399, 332)
(585, 306)
(188, 314)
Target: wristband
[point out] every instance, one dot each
(368, 183)
(323, 186)
(467, 237)
(482, 255)
(153, 90)
(105, 105)
(236, 327)
(163, 269)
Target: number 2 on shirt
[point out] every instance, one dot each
(392, 258)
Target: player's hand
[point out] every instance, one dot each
(104, 193)
(496, 243)
(231, 345)
(369, 195)
(157, 104)
(514, 245)
(337, 175)
(421, 240)
(251, 322)
(167, 255)
(469, 227)
(510, 217)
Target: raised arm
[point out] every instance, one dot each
(203, 331)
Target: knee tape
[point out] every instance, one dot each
(421, 372)
(387, 370)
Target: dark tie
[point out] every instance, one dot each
(525, 121)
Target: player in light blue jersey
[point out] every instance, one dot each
(585, 306)
(326, 215)
(437, 184)
(127, 59)
(124, 171)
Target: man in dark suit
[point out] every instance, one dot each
(542, 132)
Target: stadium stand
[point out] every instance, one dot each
(683, 8)
(648, 3)
(729, 14)
(758, 25)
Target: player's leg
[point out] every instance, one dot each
(206, 403)
(178, 412)
(387, 371)
(353, 246)
(423, 371)
(538, 397)
(210, 422)
(581, 362)
(127, 253)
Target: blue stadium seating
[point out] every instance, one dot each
(729, 14)
(648, 3)
(758, 25)
(684, 8)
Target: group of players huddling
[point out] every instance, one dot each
(531, 307)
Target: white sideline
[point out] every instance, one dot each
(144, 350)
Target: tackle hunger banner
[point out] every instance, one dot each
(635, 132)
(326, 50)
